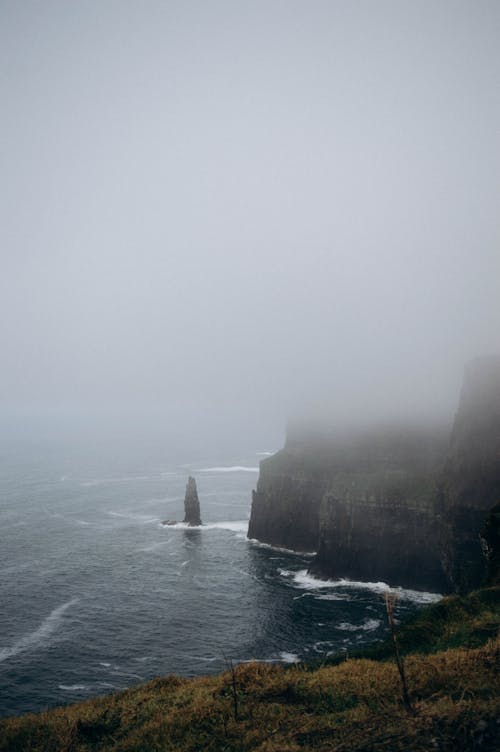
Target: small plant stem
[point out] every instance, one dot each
(390, 602)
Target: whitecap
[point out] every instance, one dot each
(72, 687)
(322, 646)
(281, 548)
(289, 657)
(367, 626)
(105, 481)
(263, 453)
(303, 579)
(234, 526)
(331, 597)
(40, 635)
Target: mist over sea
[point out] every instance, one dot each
(97, 595)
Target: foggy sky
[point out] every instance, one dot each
(242, 210)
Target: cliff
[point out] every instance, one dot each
(411, 507)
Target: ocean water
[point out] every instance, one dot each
(98, 595)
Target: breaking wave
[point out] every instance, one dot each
(234, 526)
(366, 626)
(303, 579)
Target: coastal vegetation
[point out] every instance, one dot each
(451, 653)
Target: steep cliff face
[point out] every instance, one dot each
(285, 506)
(382, 525)
(407, 507)
(470, 483)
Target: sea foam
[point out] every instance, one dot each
(72, 687)
(234, 526)
(303, 579)
(40, 635)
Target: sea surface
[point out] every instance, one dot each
(98, 595)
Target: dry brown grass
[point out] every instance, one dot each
(353, 706)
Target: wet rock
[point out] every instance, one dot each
(191, 504)
(414, 507)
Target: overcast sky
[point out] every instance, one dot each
(239, 210)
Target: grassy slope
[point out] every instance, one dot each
(452, 664)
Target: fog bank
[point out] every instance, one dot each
(215, 216)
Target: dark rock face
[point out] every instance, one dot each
(412, 508)
(191, 504)
(470, 484)
(490, 537)
(285, 506)
(381, 526)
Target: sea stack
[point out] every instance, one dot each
(191, 504)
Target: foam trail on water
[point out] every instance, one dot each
(236, 526)
(105, 481)
(72, 687)
(40, 635)
(286, 657)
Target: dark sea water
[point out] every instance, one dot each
(97, 595)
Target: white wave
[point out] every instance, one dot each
(106, 665)
(236, 526)
(303, 579)
(263, 453)
(332, 597)
(72, 687)
(105, 481)
(366, 626)
(281, 549)
(289, 657)
(40, 635)
(322, 646)
(230, 469)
